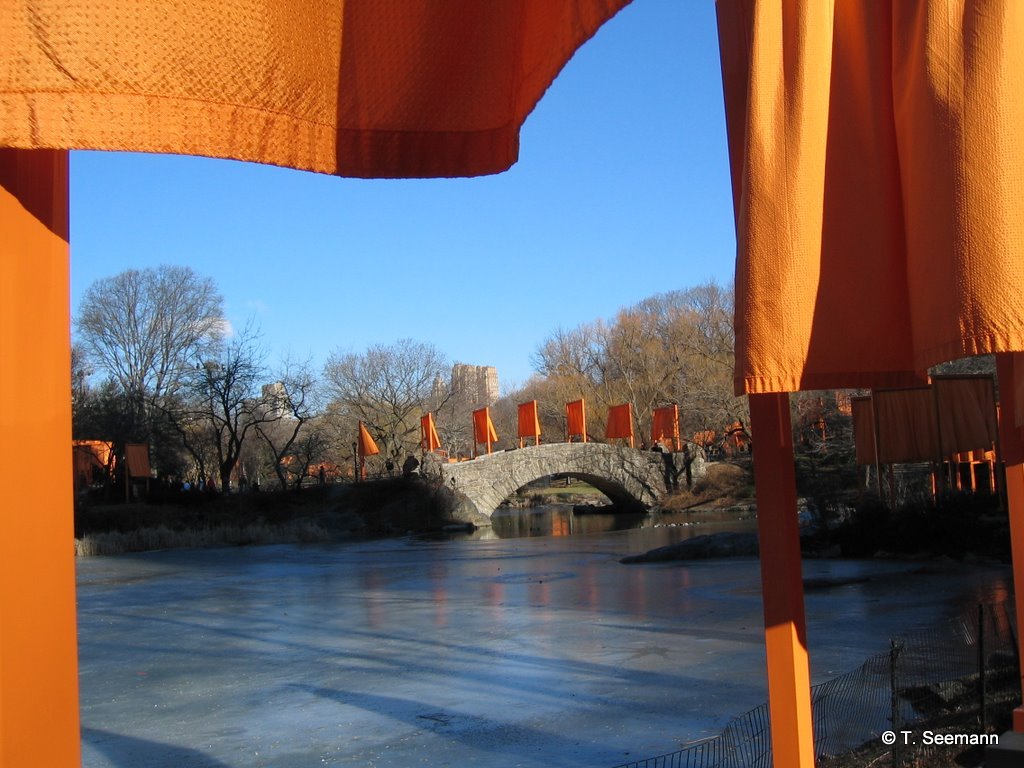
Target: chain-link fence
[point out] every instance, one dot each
(961, 676)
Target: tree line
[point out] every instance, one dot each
(155, 361)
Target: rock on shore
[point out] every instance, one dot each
(726, 544)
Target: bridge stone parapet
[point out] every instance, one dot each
(630, 478)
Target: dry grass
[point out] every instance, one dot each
(726, 484)
(326, 513)
(162, 537)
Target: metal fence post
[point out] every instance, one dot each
(982, 687)
(894, 654)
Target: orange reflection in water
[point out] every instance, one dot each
(439, 594)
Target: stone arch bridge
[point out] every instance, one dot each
(630, 478)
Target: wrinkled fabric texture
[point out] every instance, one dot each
(365, 88)
(878, 177)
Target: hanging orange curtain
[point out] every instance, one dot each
(966, 411)
(369, 88)
(483, 428)
(905, 424)
(92, 451)
(429, 441)
(529, 422)
(137, 458)
(367, 446)
(89, 457)
(863, 429)
(576, 420)
(877, 153)
(620, 423)
(665, 425)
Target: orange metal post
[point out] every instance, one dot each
(1011, 446)
(789, 683)
(38, 646)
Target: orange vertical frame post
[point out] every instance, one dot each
(789, 680)
(1011, 447)
(38, 643)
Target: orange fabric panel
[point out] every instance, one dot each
(87, 454)
(665, 425)
(429, 440)
(1016, 391)
(966, 408)
(529, 420)
(366, 444)
(137, 457)
(906, 427)
(483, 427)
(39, 708)
(576, 419)
(863, 429)
(620, 422)
(369, 88)
(928, 232)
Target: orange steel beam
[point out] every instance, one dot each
(38, 646)
(1011, 446)
(789, 680)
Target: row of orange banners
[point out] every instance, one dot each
(664, 425)
(952, 415)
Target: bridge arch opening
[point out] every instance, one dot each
(609, 493)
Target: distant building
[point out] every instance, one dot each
(276, 398)
(475, 385)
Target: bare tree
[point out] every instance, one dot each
(310, 447)
(223, 403)
(143, 327)
(388, 388)
(675, 347)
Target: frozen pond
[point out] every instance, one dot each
(493, 652)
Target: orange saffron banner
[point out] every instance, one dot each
(89, 459)
(429, 440)
(137, 458)
(966, 408)
(367, 447)
(620, 423)
(863, 429)
(529, 422)
(906, 427)
(483, 428)
(576, 421)
(665, 426)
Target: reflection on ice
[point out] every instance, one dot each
(527, 651)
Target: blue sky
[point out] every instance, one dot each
(622, 191)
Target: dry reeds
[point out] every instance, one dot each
(162, 537)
